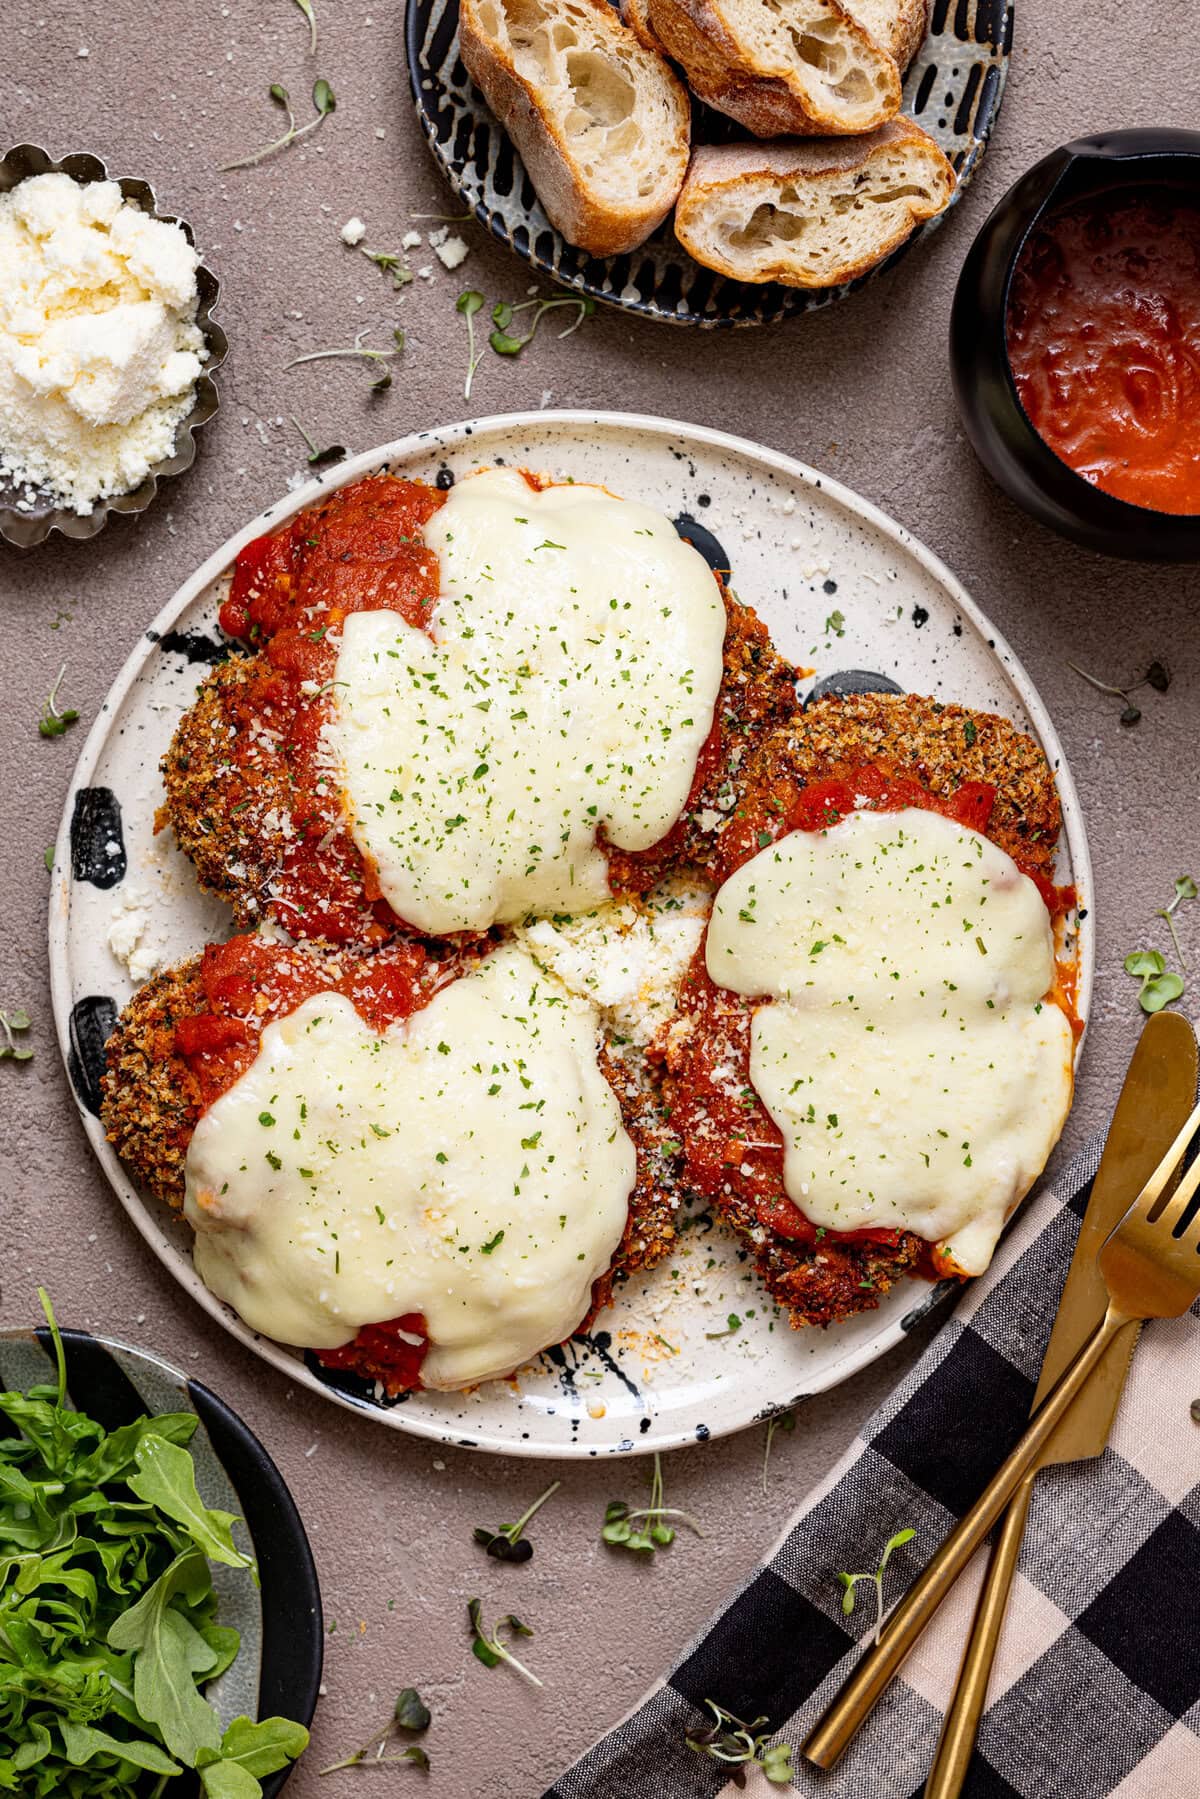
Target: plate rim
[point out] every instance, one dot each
(394, 453)
(803, 301)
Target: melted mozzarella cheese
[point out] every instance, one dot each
(469, 1163)
(908, 1059)
(567, 687)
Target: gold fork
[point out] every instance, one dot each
(1151, 1268)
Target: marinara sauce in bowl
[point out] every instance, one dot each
(1075, 343)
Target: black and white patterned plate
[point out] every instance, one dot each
(278, 1671)
(953, 90)
(842, 589)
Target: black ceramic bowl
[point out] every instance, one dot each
(278, 1670)
(1004, 440)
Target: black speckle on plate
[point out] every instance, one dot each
(93, 1020)
(97, 844)
(196, 646)
(851, 680)
(920, 616)
(702, 539)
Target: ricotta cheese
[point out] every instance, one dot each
(99, 348)
(910, 1058)
(470, 1163)
(566, 686)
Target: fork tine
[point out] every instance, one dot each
(1156, 1186)
(1176, 1208)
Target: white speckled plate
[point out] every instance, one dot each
(802, 550)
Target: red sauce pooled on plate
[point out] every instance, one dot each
(1104, 345)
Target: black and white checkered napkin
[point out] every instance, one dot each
(1096, 1688)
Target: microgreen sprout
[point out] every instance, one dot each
(1157, 676)
(18, 1020)
(468, 303)
(741, 1746)
(325, 103)
(392, 264)
(1159, 985)
(507, 1544)
(55, 718)
(410, 1717)
(383, 381)
(778, 1421)
(625, 1529)
(318, 458)
(850, 1581)
(488, 1648)
(509, 343)
(310, 13)
(1185, 889)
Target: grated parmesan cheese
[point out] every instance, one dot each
(99, 348)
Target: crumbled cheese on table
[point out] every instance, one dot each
(353, 232)
(99, 348)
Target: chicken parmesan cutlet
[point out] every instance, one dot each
(873, 1052)
(465, 706)
(422, 1167)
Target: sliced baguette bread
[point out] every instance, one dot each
(636, 14)
(898, 26)
(803, 68)
(600, 122)
(810, 214)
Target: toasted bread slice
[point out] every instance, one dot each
(601, 123)
(803, 68)
(898, 26)
(636, 14)
(810, 214)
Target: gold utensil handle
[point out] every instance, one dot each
(957, 1742)
(875, 1670)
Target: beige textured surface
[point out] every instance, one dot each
(168, 92)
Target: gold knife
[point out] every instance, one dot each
(1158, 1094)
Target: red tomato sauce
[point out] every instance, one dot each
(246, 985)
(1104, 344)
(364, 550)
(727, 1134)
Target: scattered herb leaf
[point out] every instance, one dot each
(625, 1529)
(850, 1581)
(1157, 676)
(55, 718)
(508, 1544)
(392, 264)
(318, 458)
(17, 1020)
(383, 380)
(1158, 988)
(1185, 889)
(836, 623)
(411, 1717)
(323, 100)
(488, 1648)
(468, 303)
(310, 13)
(509, 343)
(740, 1746)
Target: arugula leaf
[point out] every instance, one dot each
(166, 1477)
(169, 1651)
(82, 1743)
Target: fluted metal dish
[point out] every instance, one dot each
(24, 527)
